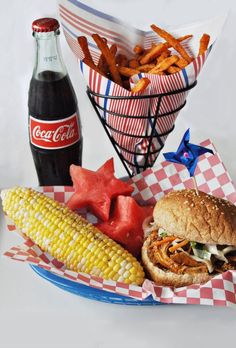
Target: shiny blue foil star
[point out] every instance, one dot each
(187, 154)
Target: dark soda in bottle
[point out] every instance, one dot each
(54, 123)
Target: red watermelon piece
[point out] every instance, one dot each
(95, 189)
(125, 224)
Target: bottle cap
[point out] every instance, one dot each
(43, 25)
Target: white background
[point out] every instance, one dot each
(33, 313)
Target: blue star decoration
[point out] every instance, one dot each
(187, 153)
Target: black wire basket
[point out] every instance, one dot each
(153, 134)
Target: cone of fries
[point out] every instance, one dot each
(137, 81)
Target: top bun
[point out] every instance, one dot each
(200, 218)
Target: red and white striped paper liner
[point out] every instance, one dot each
(212, 177)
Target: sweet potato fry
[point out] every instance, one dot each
(141, 85)
(145, 51)
(204, 42)
(185, 37)
(147, 57)
(164, 65)
(173, 69)
(121, 60)
(90, 63)
(180, 39)
(102, 64)
(82, 40)
(110, 59)
(138, 49)
(140, 56)
(146, 67)
(153, 53)
(163, 56)
(172, 41)
(128, 72)
(157, 72)
(181, 63)
(113, 49)
(133, 63)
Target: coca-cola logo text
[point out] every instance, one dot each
(57, 134)
(60, 134)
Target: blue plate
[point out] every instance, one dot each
(91, 293)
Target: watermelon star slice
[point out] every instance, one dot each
(95, 190)
(125, 224)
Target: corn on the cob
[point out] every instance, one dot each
(68, 237)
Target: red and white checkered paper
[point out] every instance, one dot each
(79, 19)
(212, 177)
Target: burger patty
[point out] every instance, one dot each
(181, 262)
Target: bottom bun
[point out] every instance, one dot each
(167, 278)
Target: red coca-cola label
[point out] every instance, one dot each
(54, 134)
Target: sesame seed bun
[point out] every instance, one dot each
(196, 217)
(201, 218)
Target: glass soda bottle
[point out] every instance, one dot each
(54, 123)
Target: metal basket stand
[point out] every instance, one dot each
(153, 134)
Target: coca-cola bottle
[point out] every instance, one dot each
(54, 124)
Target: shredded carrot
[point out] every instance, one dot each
(179, 245)
(165, 240)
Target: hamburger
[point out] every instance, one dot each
(192, 239)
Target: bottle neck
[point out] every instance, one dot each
(48, 61)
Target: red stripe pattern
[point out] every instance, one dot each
(80, 26)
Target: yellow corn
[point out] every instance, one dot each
(68, 237)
